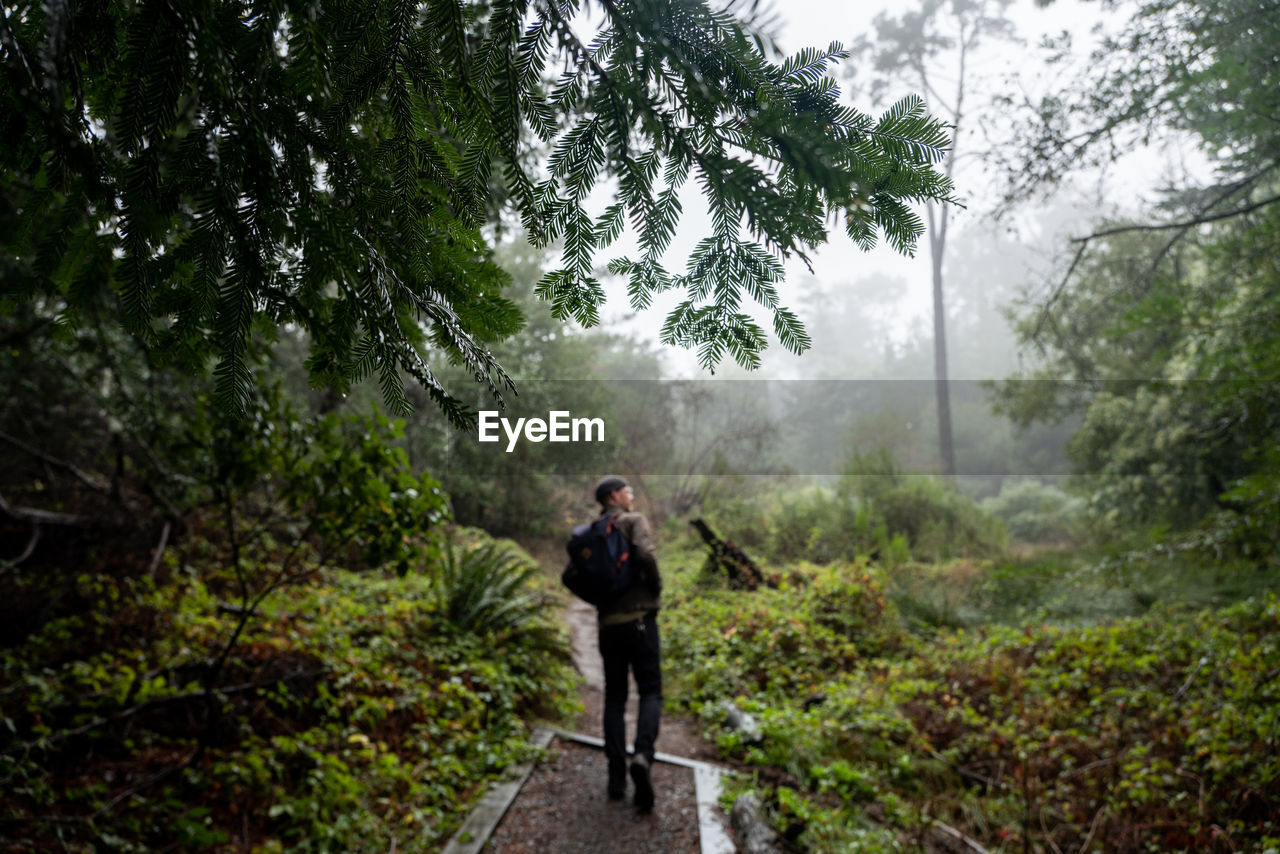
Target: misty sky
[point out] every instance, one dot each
(900, 298)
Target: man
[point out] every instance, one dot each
(629, 639)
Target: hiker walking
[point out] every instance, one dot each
(624, 587)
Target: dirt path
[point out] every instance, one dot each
(563, 807)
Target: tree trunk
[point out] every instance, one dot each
(937, 249)
(945, 446)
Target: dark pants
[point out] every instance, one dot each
(634, 645)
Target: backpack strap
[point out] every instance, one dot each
(609, 528)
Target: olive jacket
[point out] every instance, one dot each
(643, 596)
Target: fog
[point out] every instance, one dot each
(870, 314)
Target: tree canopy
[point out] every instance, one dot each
(1168, 325)
(1203, 67)
(226, 169)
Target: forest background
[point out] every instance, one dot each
(253, 600)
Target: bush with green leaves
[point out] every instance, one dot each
(1246, 528)
(937, 522)
(358, 493)
(1145, 733)
(1036, 512)
(727, 642)
(884, 514)
(352, 709)
(783, 525)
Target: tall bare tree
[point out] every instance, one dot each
(933, 48)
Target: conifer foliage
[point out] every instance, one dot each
(230, 167)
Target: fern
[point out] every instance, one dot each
(487, 591)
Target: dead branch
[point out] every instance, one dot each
(1202, 218)
(968, 841)
(1167, 226)
(80, 474)
(43, 517)
(134, 710)
(1085, 769)
(725, 555)
(1204, 661)
(1093, 828)
(240, 610)
(1048, 836)
(164, 541)
(31, 547)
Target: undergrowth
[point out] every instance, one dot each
(1025, 711)
(356, 711)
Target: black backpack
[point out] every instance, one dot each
(599, 561)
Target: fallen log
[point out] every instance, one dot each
(728, 557)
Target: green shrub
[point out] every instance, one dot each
(820, 620)
(337, 490)
(811, 525)
(356, 490)
(937, 522)
(820, 527)
(935, 596)
(1035, 512)
(877, 512)
(355, 710)
(1167, 720)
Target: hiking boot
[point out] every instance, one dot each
(617, 787)
(640, 775)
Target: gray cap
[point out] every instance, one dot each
(607, 486)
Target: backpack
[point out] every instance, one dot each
(599, 561)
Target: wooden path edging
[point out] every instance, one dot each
(479, 826)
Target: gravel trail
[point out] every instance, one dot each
(563, 807)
